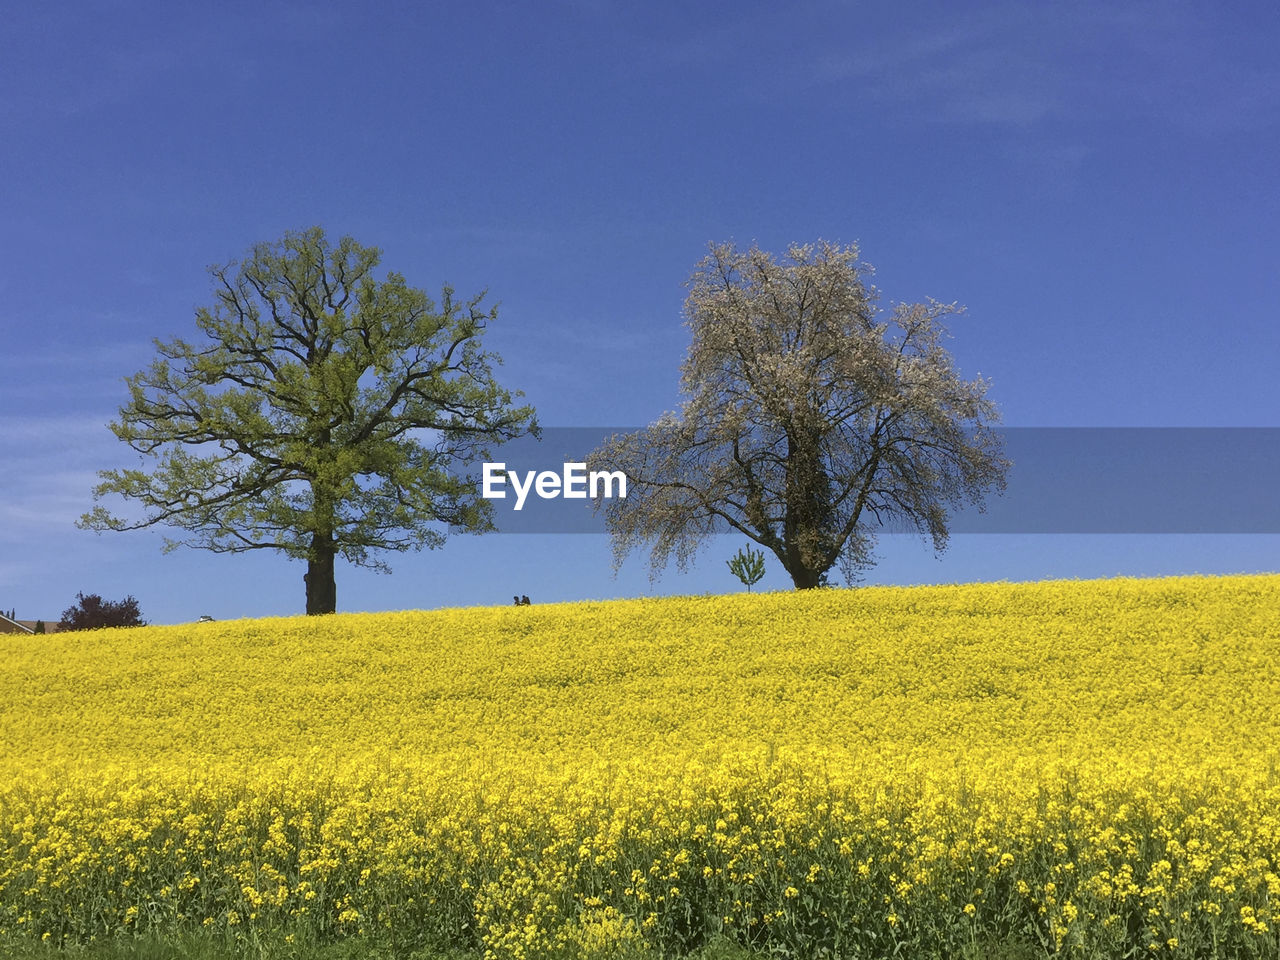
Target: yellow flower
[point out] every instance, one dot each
(507, 774)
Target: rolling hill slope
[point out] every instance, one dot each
(1088, 764)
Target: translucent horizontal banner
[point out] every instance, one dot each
(1062, 480)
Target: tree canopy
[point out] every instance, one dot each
(322, 414)
(809, 419)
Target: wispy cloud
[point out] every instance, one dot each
(114, 75)
(1204, 69)
(45, 509)
(973, 67)
(84, 380)
(132, 51)
(12, 573)
(1193, 67)
(34, 435)
(873, 57)
(90, 357)
(50, 467)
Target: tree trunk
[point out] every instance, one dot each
(807, 511)
(805, 579)
(322, 589)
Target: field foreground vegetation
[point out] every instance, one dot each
(1084, 769)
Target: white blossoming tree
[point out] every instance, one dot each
(809, 419)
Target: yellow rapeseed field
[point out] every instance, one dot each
(1087, 767)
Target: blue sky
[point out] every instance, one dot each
(1095, 181)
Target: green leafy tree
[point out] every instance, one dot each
(808, 419)
(748, 566)
(39, 628)
(92, 613)
(322, 415)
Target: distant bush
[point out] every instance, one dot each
(92, 613)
